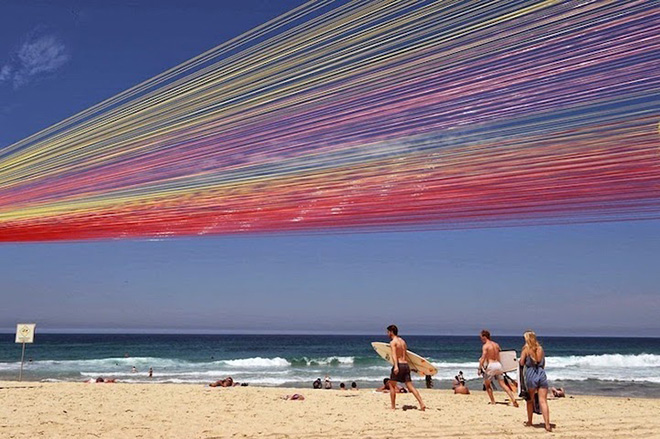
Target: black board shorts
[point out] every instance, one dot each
(404, 374)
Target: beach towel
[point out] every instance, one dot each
(524, 393)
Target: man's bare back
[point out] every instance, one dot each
(399, 348)
(491, 351)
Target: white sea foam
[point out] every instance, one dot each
(257, 362)
(345, 361)
(605, 361)
(605, 367)
(277, 370)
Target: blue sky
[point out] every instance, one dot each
(58, 58)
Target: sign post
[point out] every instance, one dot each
(24, 334)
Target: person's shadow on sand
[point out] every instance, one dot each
(409, 407)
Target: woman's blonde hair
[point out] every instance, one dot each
(532, 343)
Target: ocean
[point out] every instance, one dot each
(582, 365)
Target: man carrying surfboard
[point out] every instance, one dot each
(491, 368)
(400, 369)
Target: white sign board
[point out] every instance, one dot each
(25, 332)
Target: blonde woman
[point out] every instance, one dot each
(533, 358)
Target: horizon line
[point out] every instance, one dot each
(159, 331)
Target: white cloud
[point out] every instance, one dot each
(36, 56)
(5, 73)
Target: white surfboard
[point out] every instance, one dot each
(509, 361)
(417, 364)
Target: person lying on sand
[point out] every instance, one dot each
(385, 388)
(294, 397)
(558, 392)
(227, 382)
(101, 380)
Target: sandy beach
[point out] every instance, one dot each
(79, 410)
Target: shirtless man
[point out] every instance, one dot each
(490, 366)
(400, 370)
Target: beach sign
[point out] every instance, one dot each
(24, 334)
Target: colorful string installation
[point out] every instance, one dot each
(364, 115)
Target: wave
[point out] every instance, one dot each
(278, 370)
(325, 361)
(279, 362)
(584, 361)
(105, 362)
(257, 362)
(605, 361)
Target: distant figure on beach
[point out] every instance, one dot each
(460, 389)
(354, 386)
(491, 368)
(317, 384)
(459, 385)
(327, 383)
(134, 370)
(536, 381)
(101, 380)
(386, 387)
(429, 381)
(342, 386)
(227, 382)
(558, 392)
(401, 369)
(151, 372)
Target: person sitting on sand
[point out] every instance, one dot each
(317, 384)
(491, 368)
(536, 381)
(460, 389)
(327, 383)
(342, 386)
(354, 386)
(460, 385)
